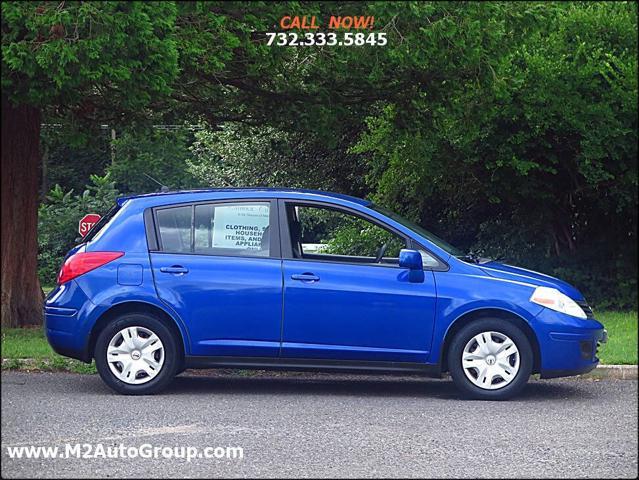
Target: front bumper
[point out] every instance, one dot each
(584, 347)
(568, 373)
(568, 345)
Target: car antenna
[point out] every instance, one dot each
(163, 188)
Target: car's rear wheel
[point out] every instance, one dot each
(136, 354)
(490, 359)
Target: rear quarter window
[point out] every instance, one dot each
(174, 225)
(100, 224)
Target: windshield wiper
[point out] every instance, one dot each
(469, 257)
(472, 257)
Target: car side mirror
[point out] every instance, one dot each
(410, 259)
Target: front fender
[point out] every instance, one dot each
(459, 295)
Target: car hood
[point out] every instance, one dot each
(508, 272)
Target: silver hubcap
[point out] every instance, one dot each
(135, 355)
(490, 360)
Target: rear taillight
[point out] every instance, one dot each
(83, 262)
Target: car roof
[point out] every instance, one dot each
(184, 195)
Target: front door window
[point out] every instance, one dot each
(327, 234)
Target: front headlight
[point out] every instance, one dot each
(555, 300)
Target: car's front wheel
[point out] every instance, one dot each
(490, 359)
(136, 354)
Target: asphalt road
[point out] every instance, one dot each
(320, 425)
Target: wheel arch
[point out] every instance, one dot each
(135, 307)
(509, 316)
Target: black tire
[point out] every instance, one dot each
(172, 360)
(456, 348)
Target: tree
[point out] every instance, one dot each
(527, 145)
(21, 292)
(81, 61)
(237, 155)
(161, 153)
(70, 159)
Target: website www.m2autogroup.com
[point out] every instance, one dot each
(146, 450)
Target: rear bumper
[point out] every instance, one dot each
(58, 345)
(63, 308)
(65, 343)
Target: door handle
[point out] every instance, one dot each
(179, 269)
(305, 277)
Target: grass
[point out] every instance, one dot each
(28, 349)
(621, 348)
(19, 344)
(25, 343)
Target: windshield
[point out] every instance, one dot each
(419, 230)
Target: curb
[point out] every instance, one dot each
(58, 364)
(601, 372)
(616, 372)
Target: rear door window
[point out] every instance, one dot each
(231, 229)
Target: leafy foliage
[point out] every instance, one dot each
(88, 57)
(69, 159)
(237, 155)
(361, 238)
(342, 234)
(160, 153)
(58, 219)
(527, 146)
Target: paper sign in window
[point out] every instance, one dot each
(240, 226)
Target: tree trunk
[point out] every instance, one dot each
(21, 293)
(44, 174)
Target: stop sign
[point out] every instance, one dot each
(87, 222)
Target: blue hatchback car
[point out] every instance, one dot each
(299, 279)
